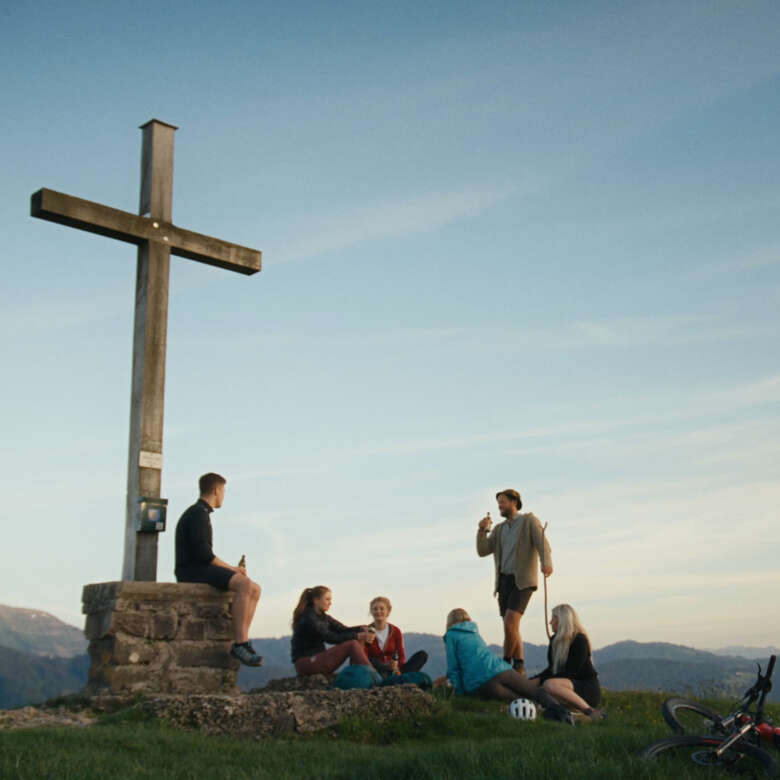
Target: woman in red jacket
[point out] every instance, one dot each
(387, 652)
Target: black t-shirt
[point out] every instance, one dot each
(194, 537)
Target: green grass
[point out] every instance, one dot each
(465, 738)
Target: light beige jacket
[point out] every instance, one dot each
(530, 548)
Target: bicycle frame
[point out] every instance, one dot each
(741, 722)
(735, 739)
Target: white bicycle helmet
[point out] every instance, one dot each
(523, 709)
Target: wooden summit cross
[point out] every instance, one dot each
(157, 237)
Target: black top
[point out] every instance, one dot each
(313, 629)
(194, 537)
(578, 666)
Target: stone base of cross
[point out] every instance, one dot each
(157, 238)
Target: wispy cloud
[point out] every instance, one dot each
(760, 391)
(756, 258)
(43, 317)
(414, 214)
(631, 331)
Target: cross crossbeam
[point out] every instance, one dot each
(134, 229)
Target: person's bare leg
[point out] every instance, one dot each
(504, 693)
(518, 683)
(513, 642)
(254, 597)
(563, 690)
(241, 586)
(494, 689)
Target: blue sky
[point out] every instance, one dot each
(531, 245)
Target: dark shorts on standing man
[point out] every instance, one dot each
(510, 596)
(216, 576)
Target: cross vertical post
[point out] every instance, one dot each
(147, 397)
(156, 237)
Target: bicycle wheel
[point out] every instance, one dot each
(741, 759)
(689, 717)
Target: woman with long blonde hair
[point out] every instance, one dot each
(570, 675)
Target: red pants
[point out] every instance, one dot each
(329, 660)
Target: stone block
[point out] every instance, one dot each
(220, 628)
(126, 594)
(210, 611)
(163, 625)
(192, 628)
(201, 680)
(196, 654)
(135, 679)
(99, 596)
(124, 650)
(101, 652)
(133, 623)
(98, 624)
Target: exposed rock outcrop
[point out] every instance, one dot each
(266, 714)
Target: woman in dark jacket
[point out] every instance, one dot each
(312, 628)
(570, 676)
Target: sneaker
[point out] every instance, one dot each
(246, 655)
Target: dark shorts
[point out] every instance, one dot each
(216, 576)
(510, 596)
(590, 690)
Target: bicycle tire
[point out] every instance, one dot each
(685, 716)
(741, 757)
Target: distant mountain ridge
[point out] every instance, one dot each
(748, 652)
(32, 679)
(36, 631)
(42, 657)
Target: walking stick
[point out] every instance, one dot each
(546, 622)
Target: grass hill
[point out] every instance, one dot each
(464, 739)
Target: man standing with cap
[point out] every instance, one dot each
(518, 545)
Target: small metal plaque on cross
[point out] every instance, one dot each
(153, 231)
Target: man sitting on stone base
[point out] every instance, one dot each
(196, 562)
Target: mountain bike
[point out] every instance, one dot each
(729, 742)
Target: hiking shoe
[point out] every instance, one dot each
(519, 667)
(597, 715)
(561, 714)
(246, 655)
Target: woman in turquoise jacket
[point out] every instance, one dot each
(472, 668)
